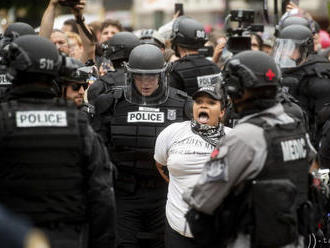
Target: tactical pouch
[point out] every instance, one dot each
(274, 209)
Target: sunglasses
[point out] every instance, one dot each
(76, 86)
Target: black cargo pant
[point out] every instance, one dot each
(66, 236)
(141, 217)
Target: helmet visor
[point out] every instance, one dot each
(289, 53)
(146, 87)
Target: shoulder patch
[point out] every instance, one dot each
(217, 169)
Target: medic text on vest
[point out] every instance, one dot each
(143, 116)
(41, 119)
(293, 149)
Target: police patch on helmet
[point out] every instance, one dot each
(208, 80)
(41, 119)
(217, 170)
(171, 114)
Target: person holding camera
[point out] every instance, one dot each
(59, 38)
(54, 168)
(192, 71)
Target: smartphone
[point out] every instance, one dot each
(178, 7)
(69, 3)
(206, 51)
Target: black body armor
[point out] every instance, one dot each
(193, 72)
(41, 166)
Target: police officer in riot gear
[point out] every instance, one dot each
(54, 168)
(192, 70)
(129, 119)
(249, 192)
(117, 49)
(13, 31)
(305, 74)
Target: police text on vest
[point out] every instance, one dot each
(142, 116)
(3, 80)
(293, 149)
(41, 119)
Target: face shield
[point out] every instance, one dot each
(289, 53)
(146, 87)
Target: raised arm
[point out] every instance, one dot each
(47, 21)
(88, 38)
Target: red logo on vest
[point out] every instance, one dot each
(270, 74)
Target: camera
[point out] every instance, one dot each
(239, 38)
(69, 3)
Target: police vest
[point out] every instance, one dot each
(287, 155)
(41, 173)
(134, 129)
(195, 71)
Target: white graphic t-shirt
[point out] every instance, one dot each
(184, 153)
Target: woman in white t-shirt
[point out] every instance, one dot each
(184, 148)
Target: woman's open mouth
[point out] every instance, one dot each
(203, 117)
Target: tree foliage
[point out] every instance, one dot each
(33, 9)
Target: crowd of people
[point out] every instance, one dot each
(117, 138)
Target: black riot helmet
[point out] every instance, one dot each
(31, 57)
(293, 45)
(187, 33)
(18, 29)
(294, 20)
(295, 17)
(15, 30)
(251, 70)
(146, 76)
(119, 47)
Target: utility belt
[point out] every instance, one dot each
(130, 183)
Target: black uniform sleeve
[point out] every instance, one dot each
(96, 89)
(100, 193)
(175, 80)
